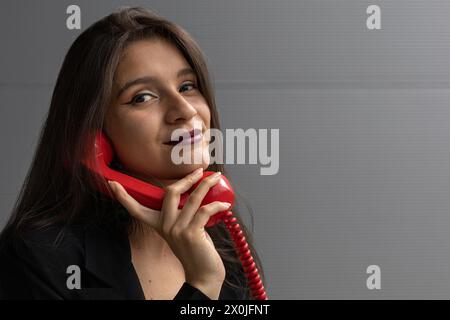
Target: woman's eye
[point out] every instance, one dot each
(141, 98)
(189, 85)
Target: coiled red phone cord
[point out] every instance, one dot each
(250, 269)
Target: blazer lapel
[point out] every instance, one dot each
(108, 258)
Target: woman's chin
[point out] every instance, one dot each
(184, 170)
(180, 171)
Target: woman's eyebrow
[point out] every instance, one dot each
(149, 79)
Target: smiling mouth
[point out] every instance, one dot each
(195, 136)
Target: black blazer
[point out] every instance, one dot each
(31, 267)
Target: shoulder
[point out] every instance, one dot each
(46, 263)
(34, 263)
(233, 292)
(53, 240)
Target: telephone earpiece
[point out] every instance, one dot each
(152, 197)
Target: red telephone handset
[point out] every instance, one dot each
(149, 195)
(152, 196)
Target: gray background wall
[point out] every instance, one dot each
(364, 127)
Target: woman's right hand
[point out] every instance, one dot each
(184, 230)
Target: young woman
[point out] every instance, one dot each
(137, 77)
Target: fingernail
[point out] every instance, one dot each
(199, 170)
(111, 184)
(226, 204)
(217, 174)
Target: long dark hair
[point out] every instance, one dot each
(58, 190)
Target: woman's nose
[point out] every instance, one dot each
(180, 109)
